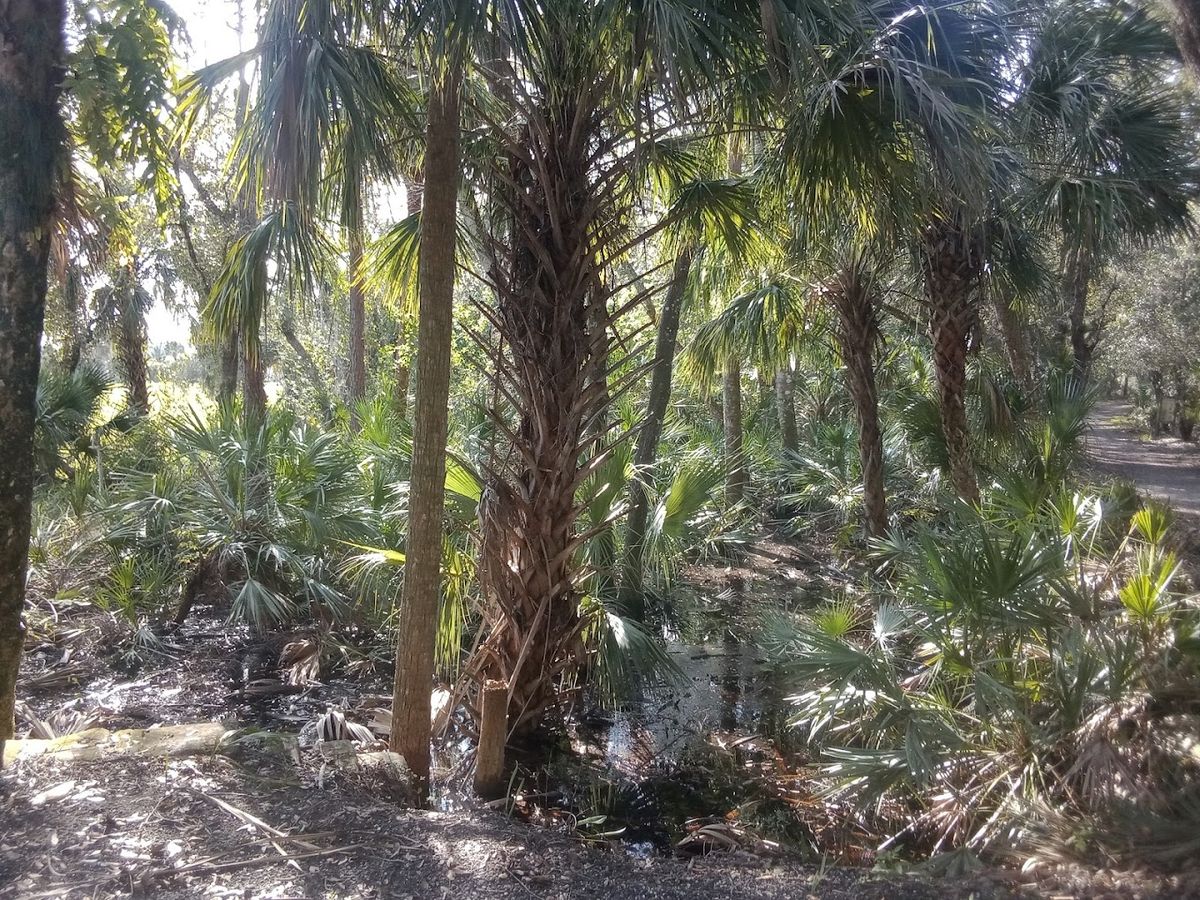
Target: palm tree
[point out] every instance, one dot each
(871, 136)
(339, 103)
(1113, 158)
(785, 410)
(31, 141)
(951, 254)
(565, 188)
(121, 308)
(854, 295)
(323, 116)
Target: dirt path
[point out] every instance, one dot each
(155, 828)
(1167, 468)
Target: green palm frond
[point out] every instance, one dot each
(764, 323)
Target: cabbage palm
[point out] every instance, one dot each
(320, 121)
(871, 138)
(566, 183)
(1112, 153)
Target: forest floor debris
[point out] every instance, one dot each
(203, 826)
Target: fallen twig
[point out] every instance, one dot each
(201, 867)
(258, 823)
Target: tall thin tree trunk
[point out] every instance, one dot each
(1012, 329)
(403, 376)
(254, 376)
(952, 265)
(632, 598)
(414, 193)
(785, 407)
(417, 621)
(857, 334)
(228, 375)
(356, 380)
(731, 393)
(31, 137)
(72, 290)
(735, 464)
(131, 348)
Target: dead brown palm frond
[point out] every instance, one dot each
(302, 660)
(68, 718)
(334, 726)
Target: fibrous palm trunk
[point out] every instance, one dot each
(1077, 281)
(952, 266)
(553, 320)
(228, 375)
(857, 335)
(254, 382)
(72, 292)
(785, 406)
(31, 136)
(731, 405)
(659, 397)
(417, 622)
(131, 352)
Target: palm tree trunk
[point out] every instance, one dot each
(131, 352)
(414, 194)
(785, 406)
(858, 333)
(403, 375)
(254, 381)
(1187, 32)
(1078, 279)
(31, 136)
(356, 381)
(659, 397)
(735, 464)
(1012, 329)
(72, 291)
(551, 301)
(952, 267)
(417, 621)
(228, 374)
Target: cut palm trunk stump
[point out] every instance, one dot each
(493, 732)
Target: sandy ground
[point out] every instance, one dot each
(1166, 468)
(155, 828)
